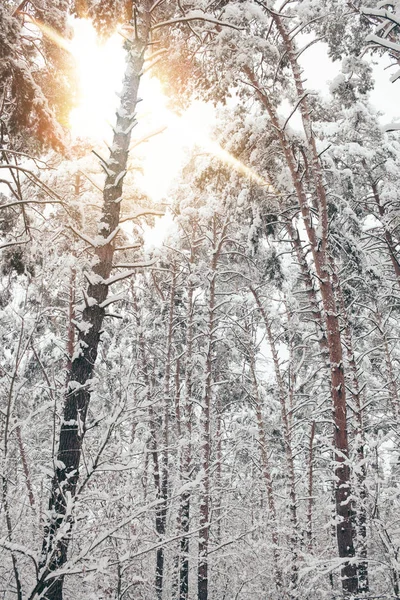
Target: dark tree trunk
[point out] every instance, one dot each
(184, 569)
(64, 484)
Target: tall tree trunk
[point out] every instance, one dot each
(315, 310)
(390, 367)
(266, 470)
(186, 457)
(57, 530)
(310, 502)
(320, 253)
(391, 246)
(162, 509)
(360, 491)
(217, 243)
(282, 395)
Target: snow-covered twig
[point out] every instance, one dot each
(196, 15)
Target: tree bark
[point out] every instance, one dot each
(63, 490)
(320, 252)
(162, 509)
(266, 471)
(186, 458)
(282, 395)
(217, 243)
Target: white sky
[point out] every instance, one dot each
(320, 71)
(101, 70)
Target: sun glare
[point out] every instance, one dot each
(100, 68)
(165, 137)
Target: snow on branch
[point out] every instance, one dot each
(35, 178)
(143, 213)
(133, 267)
(380, 41)
(5, 543)
(383, 14)
(391, 126)
(196, 15)
(8, 244)
(83, 236)
(111, 299)
(22, 202)
(99, 240)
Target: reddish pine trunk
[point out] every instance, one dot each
(319, 248)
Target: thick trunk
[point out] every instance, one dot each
(320, 250)
(360, 491)
(55, 543)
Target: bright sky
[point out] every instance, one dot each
(320, 71)
(101, 68)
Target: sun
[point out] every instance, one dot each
(100, 69)
(170, 137)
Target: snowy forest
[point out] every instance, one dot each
(199, 360)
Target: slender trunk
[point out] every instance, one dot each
(178, 421)
(218, 474)
(186, 458)
(58, 529)
(217, 241)
(315, 310)
(206, 441)
(8, 416)
(391, 549)
(266, 471)
(282, 394)
(387, 234)
(310, 489)
(25, 467)
(390, 368)
(162, 509)
(153, 445)
(71, 319)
